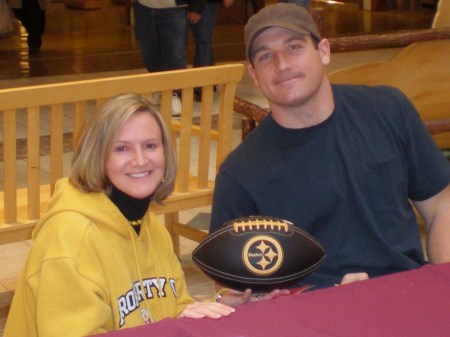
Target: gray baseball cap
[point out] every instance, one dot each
(284, 15)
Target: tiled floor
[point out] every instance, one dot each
(99, 40)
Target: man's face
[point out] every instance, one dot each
(287, 67)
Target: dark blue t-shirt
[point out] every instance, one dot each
(348, 181)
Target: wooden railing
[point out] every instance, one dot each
(388, 40)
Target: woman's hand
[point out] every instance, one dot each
(206, 309)
(235, 298)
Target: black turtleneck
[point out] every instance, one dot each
(132, 208)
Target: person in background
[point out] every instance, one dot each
(303, 3)
(347, 163)
(31, 13)
(161, 28)
(100, 260)
(202, 31)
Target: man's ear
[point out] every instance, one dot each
(251, 71)
(324, 50)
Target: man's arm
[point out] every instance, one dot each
(436, 214)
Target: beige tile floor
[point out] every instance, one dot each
(12, 256)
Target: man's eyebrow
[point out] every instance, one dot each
(257, 50)
(296, 37)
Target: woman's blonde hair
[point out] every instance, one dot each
(99, 135)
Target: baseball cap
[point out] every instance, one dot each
(285, 15)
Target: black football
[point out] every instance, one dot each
(258, 252)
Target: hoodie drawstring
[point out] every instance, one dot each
(156, 270)
(152, 319)
(153, 254)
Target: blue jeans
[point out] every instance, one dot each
(162, 36)
(303, 3)
(202, 32)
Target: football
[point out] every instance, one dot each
(258, 252)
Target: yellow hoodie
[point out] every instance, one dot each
(88, 271)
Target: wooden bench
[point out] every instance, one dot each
(205, 127)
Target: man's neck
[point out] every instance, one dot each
(312, 112)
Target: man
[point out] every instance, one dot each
(202, 31)
(346, 163)
(161, 27)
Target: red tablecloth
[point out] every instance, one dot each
(407, 304)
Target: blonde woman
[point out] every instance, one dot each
(100, 260)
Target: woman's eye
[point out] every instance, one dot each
(151, 146)
(121, 148)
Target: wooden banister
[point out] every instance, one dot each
(389, 40)
(253, 114)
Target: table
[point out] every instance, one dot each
(406, 304)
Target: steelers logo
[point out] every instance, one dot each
(262, 255)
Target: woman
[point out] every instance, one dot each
(100, 260)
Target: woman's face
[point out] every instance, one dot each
(136, 163)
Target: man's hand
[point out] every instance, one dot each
(354, 277)
(235, 298)
(193, 17)
(227, 3)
